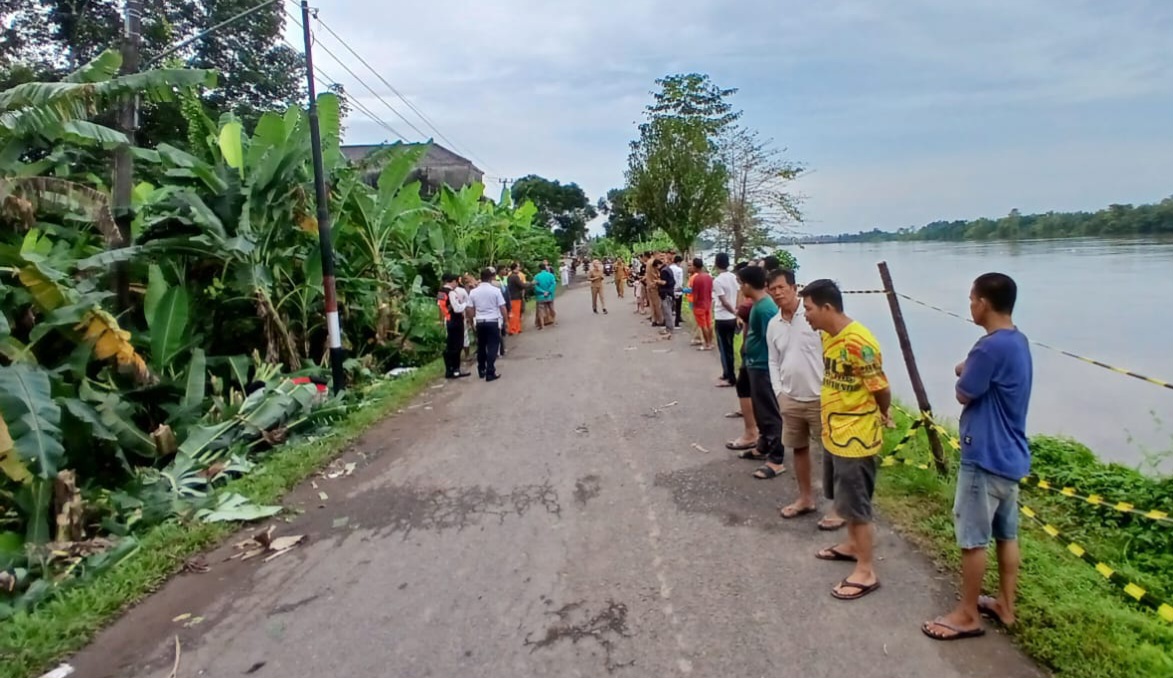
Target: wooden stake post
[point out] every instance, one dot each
(918, 386)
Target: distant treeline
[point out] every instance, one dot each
(1115, 220)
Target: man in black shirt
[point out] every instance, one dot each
(667, 289)
(516, 296)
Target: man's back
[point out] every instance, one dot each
(544, 285)
(702, 290)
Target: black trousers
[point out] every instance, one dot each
(454, 345)
(678, 303)
(767, 414)
(726, 330)
(488, 345)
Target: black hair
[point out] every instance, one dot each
(770, 263)
(487, 274)
(542, 267)
(754, 276)
(678, 258)
(740, 265)
(781, 273)
(647, 253)
(823, 292)
(514, 266)
(449, 277)
(721, 261)
(698, 263)
(998, 289)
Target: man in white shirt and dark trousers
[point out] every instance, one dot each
(725, 287)
(453, 300)
(678, 291)
(489, 311)
(796, 373)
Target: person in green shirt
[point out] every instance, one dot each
(756, 359)
(544, 285)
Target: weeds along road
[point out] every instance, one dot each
(561, 521)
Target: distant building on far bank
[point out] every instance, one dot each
(439, 166)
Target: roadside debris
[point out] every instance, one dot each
(60, 672)
(698, 448)
(175, 668)
(674, 403)
(581, 428)
(265, 543)
(197, 565)
(336, 470)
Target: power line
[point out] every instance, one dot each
(413, 107)
(199, 36)
(361, 81)
(354, 102)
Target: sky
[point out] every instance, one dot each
(903, 111)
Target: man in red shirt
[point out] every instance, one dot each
(702, 302)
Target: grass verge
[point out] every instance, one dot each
(1070, 618)
(31, 642)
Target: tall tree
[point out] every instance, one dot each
(563, 208)
(760, 206)
(675, 176)
(624, 225)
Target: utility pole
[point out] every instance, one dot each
(123, 180)
(324, 242)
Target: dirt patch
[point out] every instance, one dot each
(586, 488)
(608, 628)
(725, 489)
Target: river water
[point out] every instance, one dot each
(1111, 300)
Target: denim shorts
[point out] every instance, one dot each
(986, 507)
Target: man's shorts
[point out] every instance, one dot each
(985, 507)
(802, 422)
(855, 483)
(743, 390)
(703, 316)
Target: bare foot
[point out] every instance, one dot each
(798, 508)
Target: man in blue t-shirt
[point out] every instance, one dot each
(994, 386)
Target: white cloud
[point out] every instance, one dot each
(870, 93)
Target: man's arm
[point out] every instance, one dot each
(884, 402)
(976, 373)
(724, 299)
(775, 359)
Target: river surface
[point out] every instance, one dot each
(1111, 300)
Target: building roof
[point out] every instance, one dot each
(436, 155)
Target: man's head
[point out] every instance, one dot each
(770, 263)
(449, 278)
(783, 290)
(487, 274)
(753, 280)
(822, 304)
(515, 267)
(992, 295)
(678, 258)
(543, 266)
(721, 261)
(698, 265)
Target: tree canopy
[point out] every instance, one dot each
(563, 208)
(624, 225)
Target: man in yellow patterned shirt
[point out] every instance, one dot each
(854, 403)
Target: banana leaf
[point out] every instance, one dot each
(33, 418)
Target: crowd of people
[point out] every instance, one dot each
(809, 376)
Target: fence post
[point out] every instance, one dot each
(918, 386)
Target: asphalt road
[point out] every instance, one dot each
(558, 522)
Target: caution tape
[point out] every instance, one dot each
(1135, 591)
(927, 419)
(1097, 500)
(1069, 354)
(890, 459)
(863, 291)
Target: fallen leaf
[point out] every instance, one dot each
(349, 468)
(183, 617)
(699, 448)
(341, 522)
(581, 428)
(631, 348)
(323, 496)
(60, 672)
(286, 543)
(674, 403)
(194, 621)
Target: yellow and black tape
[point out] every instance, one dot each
(1136, 592)
(890, 459)
(863, 291)
(1069, 354)
(1097, 500)
(927, 419)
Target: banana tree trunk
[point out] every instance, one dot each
(280, 346)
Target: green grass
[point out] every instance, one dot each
(31, 642)
(1070, 618)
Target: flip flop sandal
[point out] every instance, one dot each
(734, 415)
(733, 445)
(958, 634)
(767, 473)
(826, 526)
(752, 455)
(987, 610)
(797, 512)
(831, 553)
(861, 590)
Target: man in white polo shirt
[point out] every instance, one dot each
(489, 311)
(796, 373)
